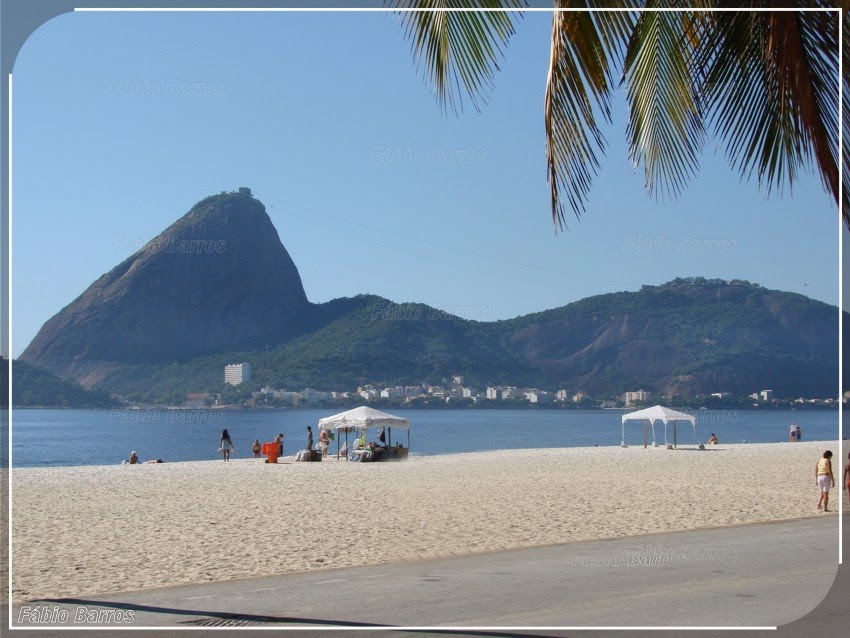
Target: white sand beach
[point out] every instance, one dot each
(80, 531)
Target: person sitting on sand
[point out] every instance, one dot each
(712, 440)
(824, 479)
(134, 458)
(255, 448)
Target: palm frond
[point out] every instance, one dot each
(584, 49)
(773, 88)
(845, 109)
(458, 50)
(665, 128)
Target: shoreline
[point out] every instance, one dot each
(290, 458)
(119, 528)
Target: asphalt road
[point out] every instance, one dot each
(766, 575)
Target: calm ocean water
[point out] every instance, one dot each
(104, 437)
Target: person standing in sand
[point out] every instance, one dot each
(792, 432)
(824, 479)
(309, 438)
(225, 445)
(256, 447)
(279, 440)
(799, 432)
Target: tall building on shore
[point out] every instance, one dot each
(237, 373)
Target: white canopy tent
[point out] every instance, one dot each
(363, 418)
(658, 413)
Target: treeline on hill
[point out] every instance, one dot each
(36, 387)
(687, 336)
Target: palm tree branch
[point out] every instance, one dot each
(459, 51)
(665, 125)
(578, 89)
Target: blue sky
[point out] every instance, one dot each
(327, 119)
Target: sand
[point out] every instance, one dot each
(81, 531)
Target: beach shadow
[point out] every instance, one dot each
(236, 619)
(204, 615)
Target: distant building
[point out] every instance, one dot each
(630, 398)
(511, 392)
(457, 379)
(237, 373)
(562, 395)
(467, 393)
(538, 396)
(293, 398)
(578, 397)
(493, 393)
(767, 396)
(314, 396)
(393, 393)
(722, 395)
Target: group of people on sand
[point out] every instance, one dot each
(134, 460)
(225, 444)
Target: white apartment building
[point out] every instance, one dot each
(493, 393)
(767, 396)
(538, 396)
(237, 373)
(630, 398)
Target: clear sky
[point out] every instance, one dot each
(327, 119)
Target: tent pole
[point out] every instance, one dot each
(674, 433)
(645, 435)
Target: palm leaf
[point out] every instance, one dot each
(773, 90)
(585, 48)
(665, 126)
(459, 50)
(845, 109)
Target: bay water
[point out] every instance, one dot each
(57, 437)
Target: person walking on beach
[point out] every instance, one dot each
(255, 448)
(309, 438)
(225, 445)
(824, 479)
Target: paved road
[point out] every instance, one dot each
(754, 575)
